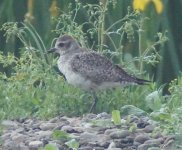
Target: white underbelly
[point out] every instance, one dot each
(73, 77)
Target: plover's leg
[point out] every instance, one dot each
(95, 99)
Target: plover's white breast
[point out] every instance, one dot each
(72, 77)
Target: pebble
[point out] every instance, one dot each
(5, 136)
(154, 148)
(143, 147)
(42, 134)
(141, 138)
(18, 138)
(149, 128)
(153, 142)
(9, 123)
(35, 144)
(47, 126)
(119, 134)
(90, 132)
(114, 149)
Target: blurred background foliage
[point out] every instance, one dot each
(161, 16)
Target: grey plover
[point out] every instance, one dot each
(89, 70)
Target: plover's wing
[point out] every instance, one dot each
(99, 69)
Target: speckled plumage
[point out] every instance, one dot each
(87, 69)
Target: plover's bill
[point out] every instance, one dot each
(87, 69)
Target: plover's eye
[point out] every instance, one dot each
(61, 44)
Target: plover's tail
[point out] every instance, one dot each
(141, 81)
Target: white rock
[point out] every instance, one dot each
(18, 138)
(35, 144)
(9, 123)
(48, 126)
(42, 134)
(5, 136)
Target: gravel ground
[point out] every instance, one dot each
(92, 132)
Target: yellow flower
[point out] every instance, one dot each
(142, 4)
(54, 9)
(29, 15)
(158, 5)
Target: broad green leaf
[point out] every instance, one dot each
(58, 134)
(51, 147)
(116, 117)
(132, 110)
(161, 116)
(72, 144)
(153, 100)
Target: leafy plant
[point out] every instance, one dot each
(73, 144)
(51, 147)
(166, 110)
(116, 117)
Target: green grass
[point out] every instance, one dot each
(32, 90)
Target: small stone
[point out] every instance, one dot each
(112, 145)
(89, 117)
(5, 136)
(143, 147)
(156, 135)
(154, 148)
(123, 142)
(87, 137)
(93, 139)
(119, 134)
(35, 144)
(18, 138)
(70, 129)
(142, 124)
(99, 148)
(141, 138)
(108, 131)
(8, 143)
(85, 148)
(130, 139)
(114, 149)
(103, 115)
(22, 146)
(36, 126)
(149, 128)
(29, 122)
(47, 126)
(54, 120)
(20, 130)
(9, 124)
(103, 143)
(42, 134)
(153, 142)
(21, 120)
(61, 124)
(136, 143)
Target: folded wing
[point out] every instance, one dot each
(99, 69)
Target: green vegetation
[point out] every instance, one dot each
(31, 87)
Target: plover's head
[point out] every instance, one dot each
(65, 44)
